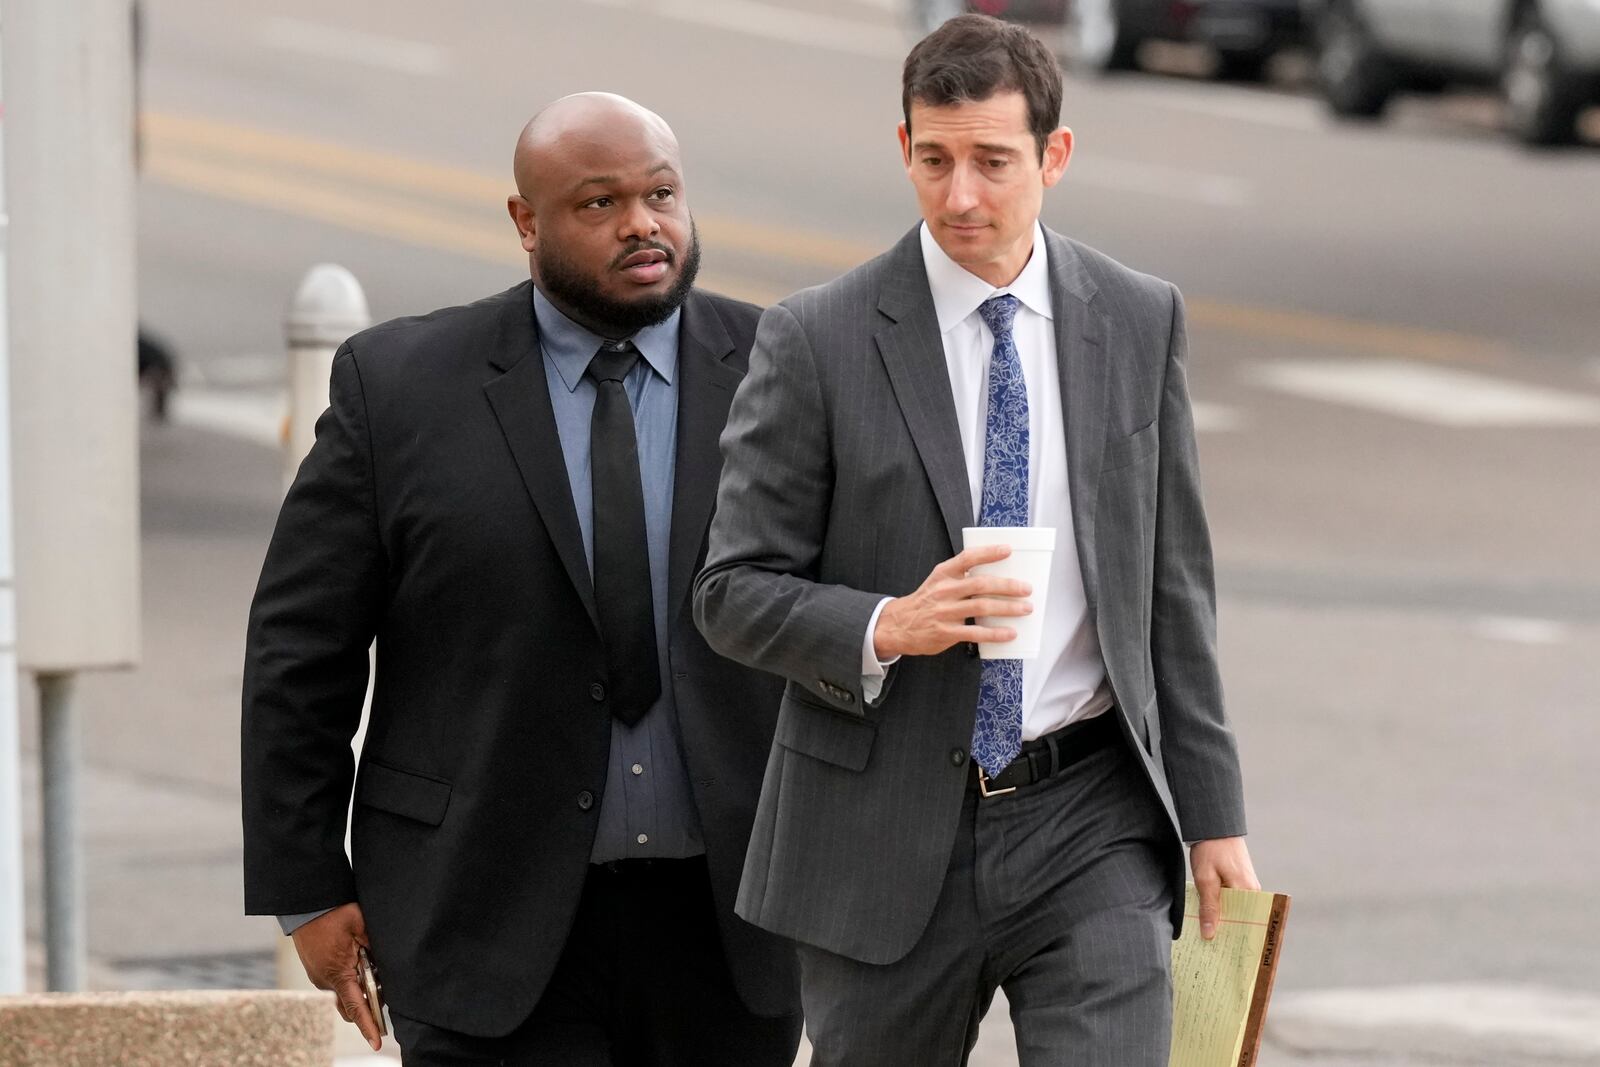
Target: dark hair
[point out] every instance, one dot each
(972, 57)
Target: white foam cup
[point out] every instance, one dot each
(1031, 549)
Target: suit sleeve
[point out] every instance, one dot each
(315, 613)
(758, 599)
(1201, 756)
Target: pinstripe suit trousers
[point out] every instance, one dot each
(1058, 893)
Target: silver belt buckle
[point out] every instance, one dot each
(983, 786)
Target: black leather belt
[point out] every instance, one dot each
(1050, 754)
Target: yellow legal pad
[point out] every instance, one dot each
(1221, 986)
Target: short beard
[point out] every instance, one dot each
(578, 293)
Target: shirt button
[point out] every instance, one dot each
(957, 757)
(637, 769)
(597, 691)
(643, 839)
(585, 800)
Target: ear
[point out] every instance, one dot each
(522, 215)
(905, 145)
(1057, 154)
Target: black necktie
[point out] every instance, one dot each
(621, 549)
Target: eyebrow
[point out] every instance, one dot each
(935, 146)
(612, 179)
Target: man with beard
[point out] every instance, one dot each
(559, 777)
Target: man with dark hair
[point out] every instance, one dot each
(935, 825)
(559, 776)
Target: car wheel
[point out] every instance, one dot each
(1095, 39)
(1357, 81)
(1542, 99)
(1243, 66)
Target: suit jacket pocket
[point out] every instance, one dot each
(1127, 451)
(831, 736)
(413, 796)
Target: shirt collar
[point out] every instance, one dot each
(571, 347)
(957, 292)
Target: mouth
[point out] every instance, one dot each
(646, 266)
(966, 229)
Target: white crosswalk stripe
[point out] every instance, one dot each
(1443, 396)
(1216, 418)
(249, 414)
(1520, 631)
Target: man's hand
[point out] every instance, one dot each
(935, 617)
(1222, 861)
(327, 947)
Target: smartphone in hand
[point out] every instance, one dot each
(372, 989)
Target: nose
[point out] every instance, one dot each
(639, 223)
(962, 196)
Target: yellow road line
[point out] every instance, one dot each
(364, 212)
(282, 171)
(165, 132)
(370, 213)
(1338, 332)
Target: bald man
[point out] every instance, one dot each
(559, 777)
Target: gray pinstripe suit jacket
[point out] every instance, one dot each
(844, 481)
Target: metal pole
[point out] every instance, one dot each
(13, 940)
(328, 307)
(65, 953)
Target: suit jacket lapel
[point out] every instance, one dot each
(520, 398)
(706, 385)
(913, 354)
(1081, 348)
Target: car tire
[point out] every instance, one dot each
(1357, 80)
(1542, 98)
(1095, 38)
(1243, 66)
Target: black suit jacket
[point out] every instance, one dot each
(434, 515)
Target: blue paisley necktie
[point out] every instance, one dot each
(997, 734)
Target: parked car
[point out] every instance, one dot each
(1543, 54)
(1104, 35)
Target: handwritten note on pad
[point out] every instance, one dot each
(1221, 986)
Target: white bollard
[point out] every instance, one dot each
(328, 307)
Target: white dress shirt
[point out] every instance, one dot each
(1067, 682)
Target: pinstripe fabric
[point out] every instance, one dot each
(844, 481)
(1059, 895)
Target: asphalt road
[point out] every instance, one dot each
(1393, 337)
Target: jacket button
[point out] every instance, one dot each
(597, 691)
(957, 757)
(585, 800)
(972, 649)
